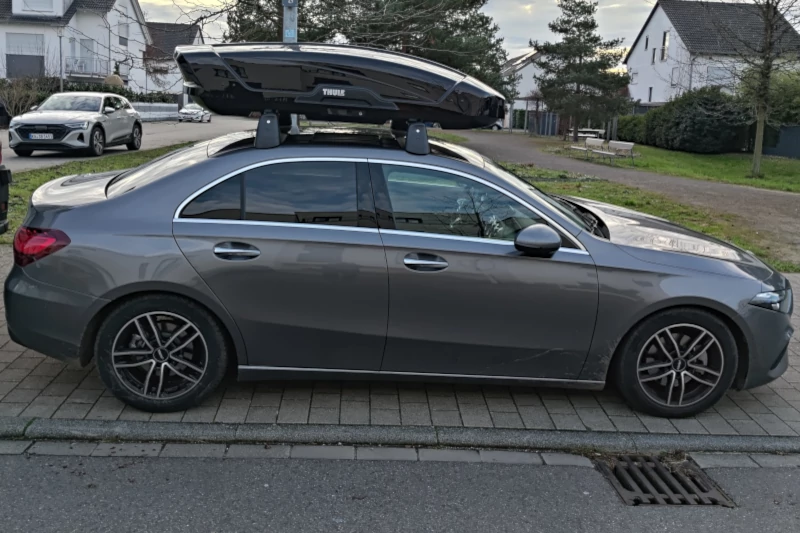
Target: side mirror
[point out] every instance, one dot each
(34, 107)
(538, 240)
(108, 110)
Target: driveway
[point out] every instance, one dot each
(770, 212)
(156, 135)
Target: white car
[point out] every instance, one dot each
(80, 121)
(194, 113)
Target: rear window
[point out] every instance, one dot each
(156, 169)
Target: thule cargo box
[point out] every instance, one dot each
(335, 83)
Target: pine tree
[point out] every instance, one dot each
(577, 77)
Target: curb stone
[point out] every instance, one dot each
(129, 431)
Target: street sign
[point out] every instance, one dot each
(289, 35)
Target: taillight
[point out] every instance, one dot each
(32, 244)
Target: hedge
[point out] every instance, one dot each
(703, 121)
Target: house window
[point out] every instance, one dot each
(632, 75)
(44, 6)
(676, 74)
(650, 94)
(665, 46)
(720, 77)
(653, 59)
(122, 25)
(24, 55)
(647, 42)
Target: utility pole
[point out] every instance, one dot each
(60, 33)
(290, 36)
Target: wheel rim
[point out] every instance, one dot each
(680, 365)
(98, 141)
(137, 137)
(159, 355)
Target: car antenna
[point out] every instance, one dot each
(268, 132)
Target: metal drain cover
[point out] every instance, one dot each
(645, 480)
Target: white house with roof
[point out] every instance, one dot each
(523, 67)
(163, 72)
(686, 44)
(86, 40)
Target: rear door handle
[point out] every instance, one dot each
(236, 251)
(424, 262)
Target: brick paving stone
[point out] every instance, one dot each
(510, 457)
(367, 453)
(506, 420)
(773, 425)
(259, 415)
(723, 460)
(475, 415)
(384, 417)
(193, 450)
(58, 389)
(776, 461)
(460, 456)
(566, 459)
(689, 426)
(526, 399)
(466, 397)
(715, 424)
(127, 449)
(232, 411)
(175, 416)
(536, 417)
(62, 448)
(503, 405)
(323, 452)
(48, 369)
(72, 410)
(595, 419)
(558, 407)
(14, 374)
(324, 415)
(439, 389)
(353, 394)
(747, 427)
(258, 451)
(496, 392)
(8, 357)
(135, 415)
(628, 424)
(72, 376)
(297, 393)
(23, 363)
(6, 387)
(384, 401)
(656, 425)
(34, 382)
(14, 447)
(790, 395)
(732, 412)
(294, 411)
(326, 400)
(12, 409)
(584, 400)
(383, 387)
(446, 418)
(84, 396)
(568, 422)
(415, 414)
(354, 413)
(106, 409)
(753, 407)
(412, 395)
(43, 406)
(328, 387)
(771, 400)
(616, 409)
(787, 414)
(442, 403)
(266, 399)
(21, 396)
(239, 391)
(92, 381)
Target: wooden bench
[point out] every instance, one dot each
(590, 145)
(620, 148)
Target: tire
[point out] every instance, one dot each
(24, 153)
(189, 376)
(97, 142)
(209, 119)
(496, 128)
(644, 373)
(136, 138)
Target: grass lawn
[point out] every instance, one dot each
(779, 173)
(721, 225)
(28, 181)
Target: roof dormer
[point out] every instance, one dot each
(39, 8)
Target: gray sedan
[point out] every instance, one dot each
(344, 256)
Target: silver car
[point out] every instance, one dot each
(345, 256)
(79, 121)
(194, 113)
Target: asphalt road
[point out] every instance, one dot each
(66, 494)
(156, 135)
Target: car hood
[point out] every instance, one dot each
(191, 111)
(657, 240)
(55, 117)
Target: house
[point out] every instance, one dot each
(686, 45)
(163, 72)
(523, 67)
(83, 40)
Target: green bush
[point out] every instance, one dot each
(631, 128)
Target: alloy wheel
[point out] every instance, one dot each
(97, 142)
(159, 355)
(680, 365)
(137, 136)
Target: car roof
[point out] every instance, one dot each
(88, 93)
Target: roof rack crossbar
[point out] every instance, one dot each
(268, 132)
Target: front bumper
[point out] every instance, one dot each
(45, 318)
(72, 140)
(768, 347)
(190, 118)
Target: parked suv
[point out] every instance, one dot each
(77, 121)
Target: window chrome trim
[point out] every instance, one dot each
(467, 239)
(187, 201)
(489, 184)
(273, 224)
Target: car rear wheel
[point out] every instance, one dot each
(676, 363)
(496, 127)
(136, 138)
(97, 142)
(161, 353)
(23, 153)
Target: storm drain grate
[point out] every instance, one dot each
(643, 480)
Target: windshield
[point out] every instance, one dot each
(552, 201)
(193, 107)
(71, 102)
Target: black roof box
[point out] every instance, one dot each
(335, 83)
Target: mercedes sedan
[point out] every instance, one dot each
(344, 256)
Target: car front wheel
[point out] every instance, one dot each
(161, 353)
(676, 363)
(136, 138)
(97, 142)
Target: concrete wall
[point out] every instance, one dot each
(156, 112)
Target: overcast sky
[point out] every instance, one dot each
(519, 20)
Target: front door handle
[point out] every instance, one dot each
(236, 251)
(424, 262)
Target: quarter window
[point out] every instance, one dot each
(429, 201)
(223, 201)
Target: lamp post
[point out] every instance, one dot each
(60, 33)
(290, 36)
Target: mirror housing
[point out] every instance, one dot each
(108, 110)
(538, 240)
